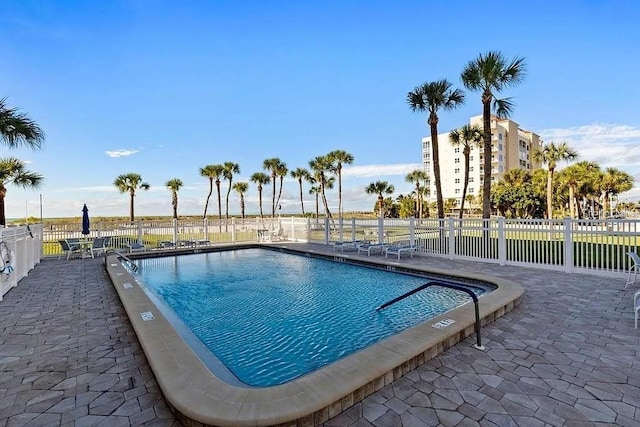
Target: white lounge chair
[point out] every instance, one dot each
(372, 247)
(98, 246)
(636, 306)
(635, 265)
(349, 244)
(398, 250)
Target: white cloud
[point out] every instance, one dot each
(120, 153)
(379, 170)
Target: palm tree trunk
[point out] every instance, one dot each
(219, 206)
(206, 205)
(381, 205)
(279, 193)
(466, 183)
(572, 202)
(340, 192)
(242, 204)
(226, 210)
(550, 194)
(486, 184)
(433, 124)
(3, 219)
(273, 195)
(260, 200)
(132, 193)
(174, 203)
(301, 198)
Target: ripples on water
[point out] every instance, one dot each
(271, 317)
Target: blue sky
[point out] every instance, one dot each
(163, 88)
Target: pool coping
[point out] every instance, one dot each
(198, 397)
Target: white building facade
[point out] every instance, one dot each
(511, 148)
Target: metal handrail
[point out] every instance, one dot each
(121, 256)
(478, 345)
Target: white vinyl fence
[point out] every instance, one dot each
(594, 246)
(20, 251)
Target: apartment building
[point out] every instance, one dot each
(511, 147)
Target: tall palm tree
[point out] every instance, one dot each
(241, 188)
(260, 179)
(339, 158)
(467, 136)
(551, 154)
(316, 190)
(229, 168)
(13, 171)
(613, 182)
(174, 185)
(273, 165)
(489, 74)
(212, 172)
(417, 176)
(301, 174)
(430, 98)
(321, 165)
(380, 188)
(130, 182)
(17, 130)
(281, 172)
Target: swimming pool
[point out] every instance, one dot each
(195, 394)
(270, 317)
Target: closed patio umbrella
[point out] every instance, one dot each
(85, 220)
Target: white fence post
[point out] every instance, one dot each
(502, 242)
(205, 225)
(452, 238)
(233, 230)
(326, 231)
(341, 229)
(412, 231)
(139, 225)
(568, 245)
(308, 236)
(353, 229)
(380, 230)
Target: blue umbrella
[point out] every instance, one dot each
(85, 220)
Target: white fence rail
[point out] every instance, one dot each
(594, 246)
(20, 250)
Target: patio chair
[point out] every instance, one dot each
(70, 246)
(372, 247)
(166, 244)
(635, 265)
(398, 250)
(349, 244)
(136, 247)
(98, 246)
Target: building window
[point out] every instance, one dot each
(456, 170)
(500, 138)
(457, 181)
(500, 157)
(457, 191)
(456, 150)
(427, 156)
(456, 160)
(470, 179)
(471, 158)
(471, 189)
(500, 168)
(427, 165)
(499, 147)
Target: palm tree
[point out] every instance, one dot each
(241, 188)
(273, 165)
(430, 98)
(16, 129)
(380, 188)
(260, 179)
(281, 172)
(13, 171)
(613, 182)
(579, 178)
(467, 136)
(551, 154)
(320, 166)
(339, 158)
(491, 73)
(213, 172)
(316, 190)
(229, 168)
(417, 176)
(301, 174)
(130, 182)
(174, 185)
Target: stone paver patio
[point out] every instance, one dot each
(566, 356)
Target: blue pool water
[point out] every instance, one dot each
(271, 316)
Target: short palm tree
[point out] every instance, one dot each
(614, 181)
(212, 172)
(551, 154)
(380, 188)
(430, 98)
(467, 136)
(260, 179)
(17, 130)
(490, 74)
(13, 171)
(321, 166)
(339, 158)
(301, 174)
(229, 169)
(417, 176)
(130, 182)
(241, 188)
(174, 185)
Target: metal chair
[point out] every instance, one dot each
(635, 264)
(70, 247)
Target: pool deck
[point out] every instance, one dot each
(567, 355)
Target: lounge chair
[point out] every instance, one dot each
(372, 247)
(398, 250)
(635, 265)
(70, 246)
(136, 247)
(98, 246)
(636, 306)
(349, 244)
(165, 244)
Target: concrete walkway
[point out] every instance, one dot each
(567, 356)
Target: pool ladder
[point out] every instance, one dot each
(121, 257)
(478, 344)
